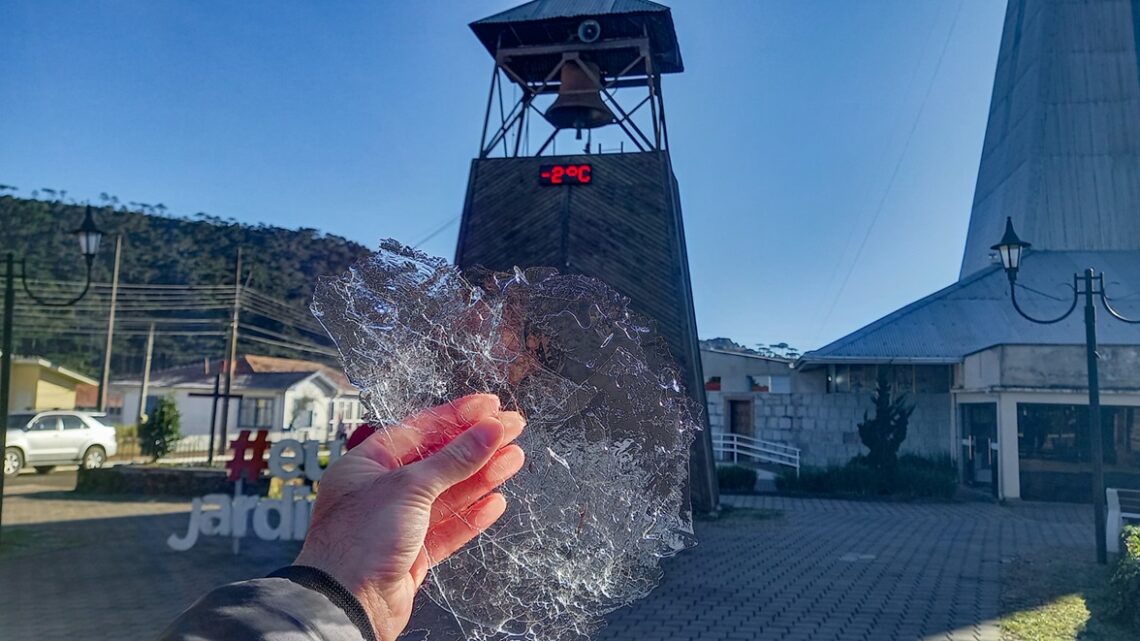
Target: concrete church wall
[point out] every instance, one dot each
(825, 426)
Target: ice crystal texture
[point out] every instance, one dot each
(604, 494)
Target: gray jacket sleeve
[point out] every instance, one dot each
(296, 603)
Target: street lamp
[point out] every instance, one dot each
(89, 237)
(1087, 284)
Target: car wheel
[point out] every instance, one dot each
(44, 469)
(94, 457)
(13, 461)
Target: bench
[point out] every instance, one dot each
(1123, 505)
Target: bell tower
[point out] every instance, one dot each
(587, 76)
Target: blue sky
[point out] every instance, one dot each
(826, 149)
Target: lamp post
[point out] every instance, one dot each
(89, 237)
(1089, 285)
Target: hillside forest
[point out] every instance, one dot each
(176, 273)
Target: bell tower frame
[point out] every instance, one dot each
(510, 130)
(571, 74)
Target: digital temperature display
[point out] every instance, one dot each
(564, 174)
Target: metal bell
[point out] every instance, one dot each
(579, 103)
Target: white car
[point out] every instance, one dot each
(58, 437)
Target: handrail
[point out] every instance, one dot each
(736, 445)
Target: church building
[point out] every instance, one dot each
(1005, 397)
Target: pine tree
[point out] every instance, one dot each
(159, 432)
(885, 433)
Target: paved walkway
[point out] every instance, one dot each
(821, 570)
(837, 570)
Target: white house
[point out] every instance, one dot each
(303, 399)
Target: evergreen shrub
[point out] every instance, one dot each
(1124, 586)
(159, 432)
(911, 477)
(736, 478)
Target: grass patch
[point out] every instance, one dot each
(1058, 596)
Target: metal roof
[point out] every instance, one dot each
(194, 377)
(44, 363)
(976, 313)
(251, 372)
(552, 9)
(1061, 154)
(555, 23)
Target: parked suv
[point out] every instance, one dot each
(59, 437)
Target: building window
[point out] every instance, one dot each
(854, 378)
(932, 379)
(713, 384)
(1054, 449)
(302, 418)
(759, 383)
(904, 379)
(256, 412)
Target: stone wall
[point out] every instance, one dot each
(825, 426)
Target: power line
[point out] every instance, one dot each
(303, 348)
(183, 311)
(295, 322)
(278, 335)
(895, 171)
(279, 311)
(132, 332)
(439, 230)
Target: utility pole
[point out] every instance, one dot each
(231, 364)
(214, 418)
(146, 374)
(6, 357)
(105, 381)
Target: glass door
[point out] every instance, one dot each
(979, 445)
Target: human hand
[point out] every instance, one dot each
(408, 497)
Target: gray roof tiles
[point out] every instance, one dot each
(976, 313)
(552, 9)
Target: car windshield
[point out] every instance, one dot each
(19, 421)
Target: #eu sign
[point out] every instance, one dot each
(568, 174)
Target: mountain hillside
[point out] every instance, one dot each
(177, 273)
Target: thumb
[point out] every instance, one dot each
(459, 459)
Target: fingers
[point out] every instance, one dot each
(449, 535)
(503, 465)
(430, 442)
(458, 460)
(513, 424)
(421, 434)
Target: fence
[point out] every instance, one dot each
(737, 447)
(193, 450)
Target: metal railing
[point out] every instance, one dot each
(194, 449)
(737, 447)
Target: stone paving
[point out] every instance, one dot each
(838, 570)
(818, 569)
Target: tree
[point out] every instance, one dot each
(161, 250)
(159, 432)
(885, 433)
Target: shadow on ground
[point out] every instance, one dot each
(776, 568)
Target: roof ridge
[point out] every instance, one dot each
(905, 310)
(524, 8)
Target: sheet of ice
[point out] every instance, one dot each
(604, 494)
